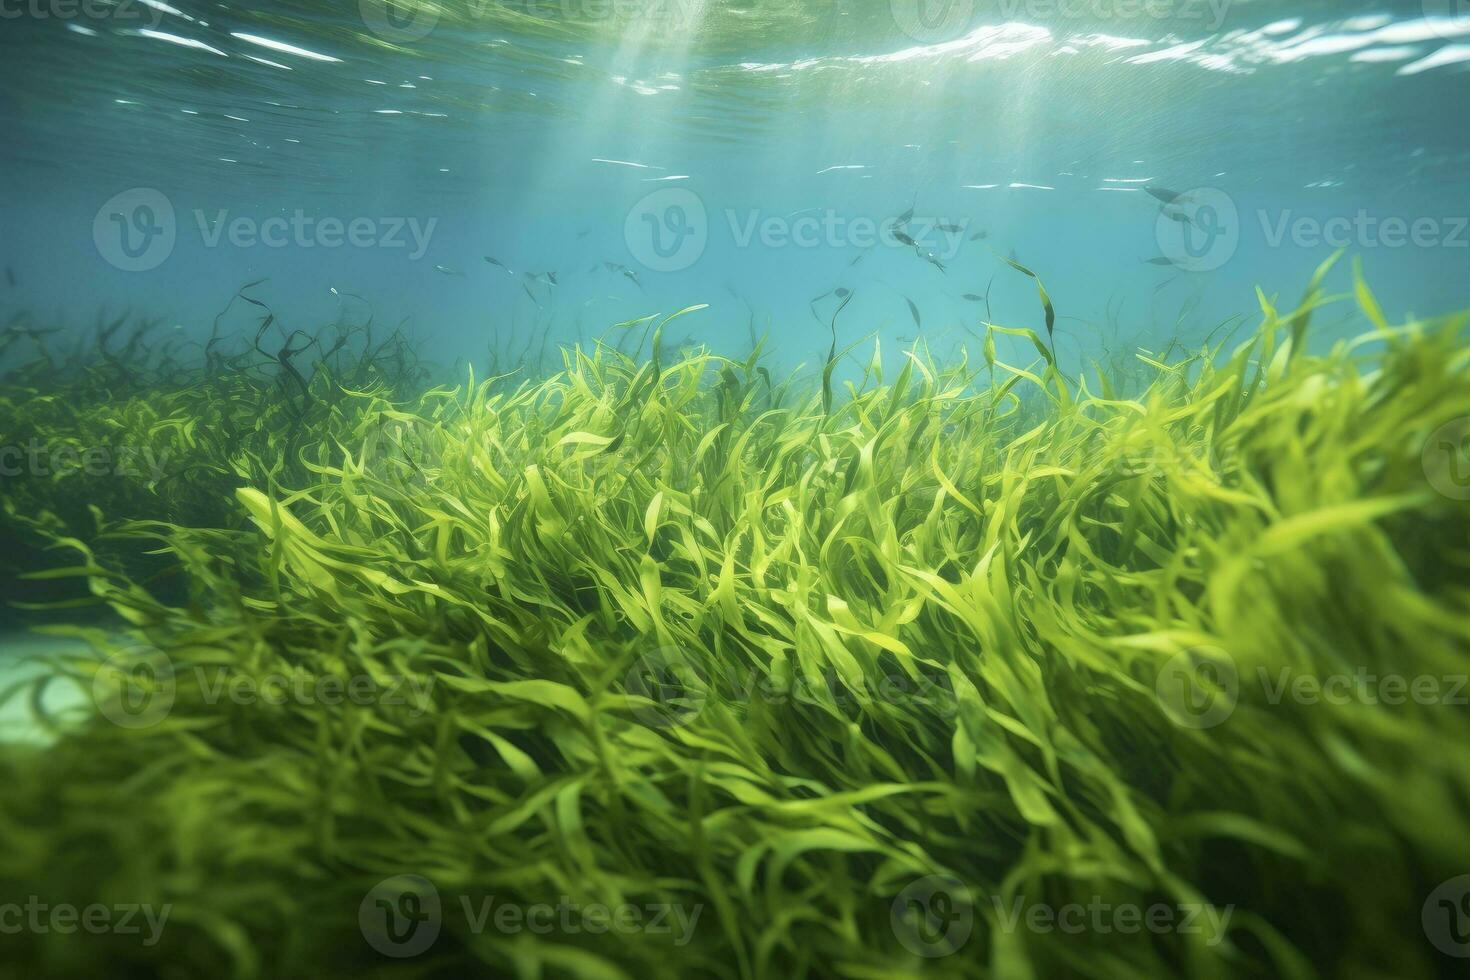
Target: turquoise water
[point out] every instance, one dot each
(365, 159)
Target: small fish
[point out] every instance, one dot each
(980, 235)
(973, 298)
(494, 261)
(856, 259)
(633, 277)
(551, 277)
(1159, 260)
(583, 233)
(1163, 194)
(905, 239)
(952, 229)
(447, 271)
(10, 276)
(334, 290)
(530, 294)
(914, 312)
(931, 259)
(842, 292)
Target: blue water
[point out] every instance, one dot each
(779, 143)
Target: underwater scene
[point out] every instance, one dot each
(735, 488)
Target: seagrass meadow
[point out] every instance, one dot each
(987, 666)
